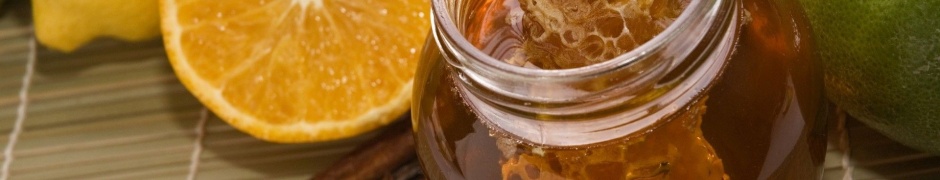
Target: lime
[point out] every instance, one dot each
(882, 64)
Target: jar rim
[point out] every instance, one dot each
(696, 10)
(645, 85)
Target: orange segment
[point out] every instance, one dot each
(298, 70)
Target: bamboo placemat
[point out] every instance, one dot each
(873, 156)
(114, 110)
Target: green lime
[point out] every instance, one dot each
(882, 64)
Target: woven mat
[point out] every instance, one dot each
(873, 156)
(114, 110)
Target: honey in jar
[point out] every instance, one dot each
(621, 89)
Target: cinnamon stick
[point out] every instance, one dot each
(379, 157)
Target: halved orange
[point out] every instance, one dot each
(298, 70)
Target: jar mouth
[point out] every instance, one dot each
(686, 20)
(599, 102)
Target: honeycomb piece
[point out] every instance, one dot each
(673, 150)
(561, 34)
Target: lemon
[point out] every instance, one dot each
(65, 25)
(298, 70)
(882, 64)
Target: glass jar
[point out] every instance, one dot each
(729, 90)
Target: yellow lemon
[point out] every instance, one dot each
(65, 25)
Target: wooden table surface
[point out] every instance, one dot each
(115, 110)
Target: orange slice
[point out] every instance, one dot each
(298, 70)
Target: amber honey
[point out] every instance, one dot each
(760, 117)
